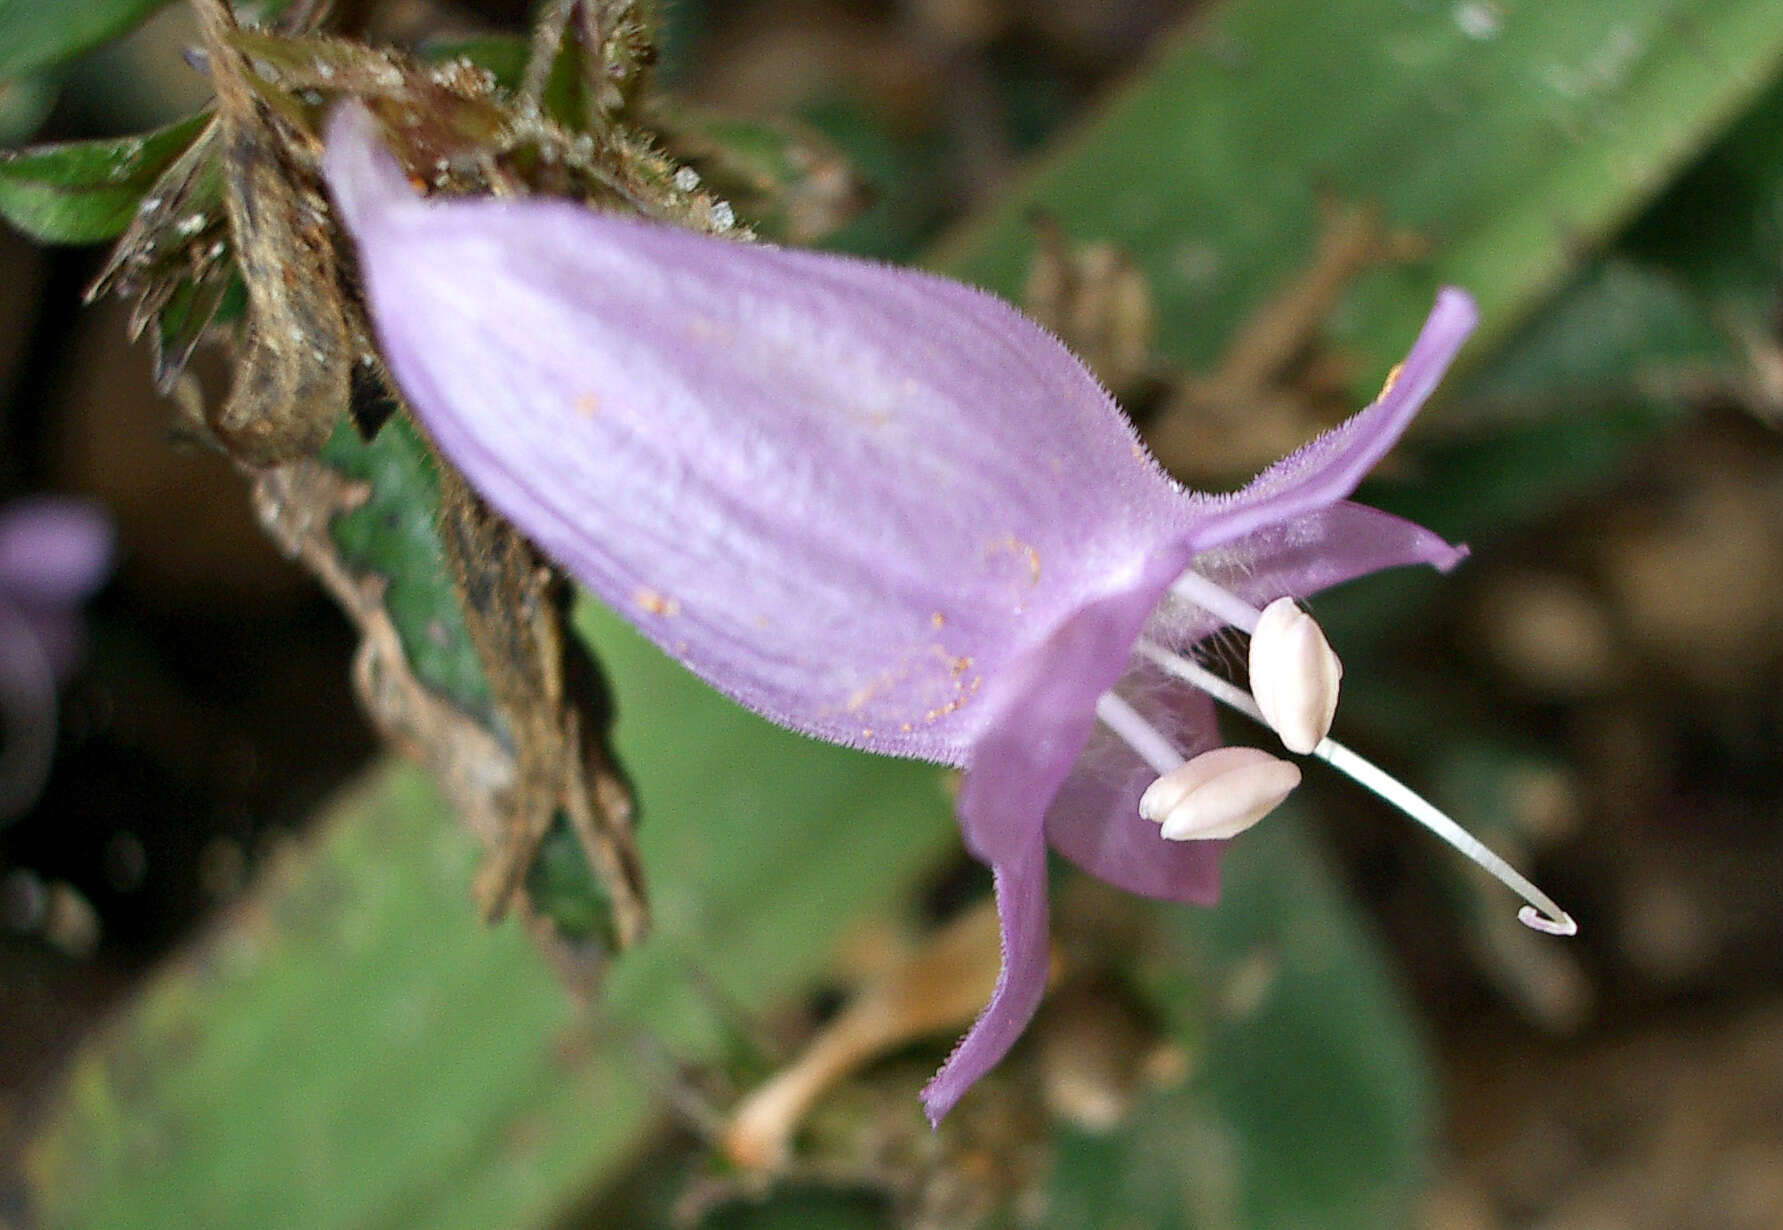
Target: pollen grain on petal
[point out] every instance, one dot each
(587, 405)
(653, 603)
(1391, 380)
(967, 690)
(1022, 552)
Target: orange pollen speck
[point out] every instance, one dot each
(1011, 545)
(588, 404)
(653, 603)
(937, 620)
(1392, 379)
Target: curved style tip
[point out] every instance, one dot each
(1559, 923)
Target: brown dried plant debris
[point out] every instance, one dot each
(243, 211)
(292, 365)
(554, 704)
(1265, 399)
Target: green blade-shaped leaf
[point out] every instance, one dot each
(36, 34)
(1511, 141)
(352, 1048)
(87, 191)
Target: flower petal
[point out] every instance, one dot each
(1323, 549)
(1328, 468)
(844, 494)
(1041, 710)
(54, 551)
(1027, 958)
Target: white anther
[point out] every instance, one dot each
(1294, 675)
(1218, 794)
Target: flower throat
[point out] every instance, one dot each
(1293, 690)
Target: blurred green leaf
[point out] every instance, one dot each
(394, 536)
(503, 55)
(87, 191)
(899, 173)
(563, 888)
(351, 1048)
(1320, 1079)
(1621, 332)
(1310, 1100)
(1720, 229)
(38, 34)
(24, 104)
(799, 1211)
(1606, 366)
(1511, 135)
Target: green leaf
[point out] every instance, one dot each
(1512, 140)
(24, 104)
(563, 889)
(1622, 332)
(905, 209)
(1311, 1103)
(394, 536)
(799, 1211)
(503, 55)
(351, 1048)
(217, 297)
(38, 34)
(1721, 228)
(1559, 407)
(88, 191)
(1606, 367)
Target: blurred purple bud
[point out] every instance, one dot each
(54, 553)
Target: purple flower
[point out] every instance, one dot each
(875, 506)
(54, 552)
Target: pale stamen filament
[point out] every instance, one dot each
(1140, 735)
(1192, 587)
(1541, 913)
